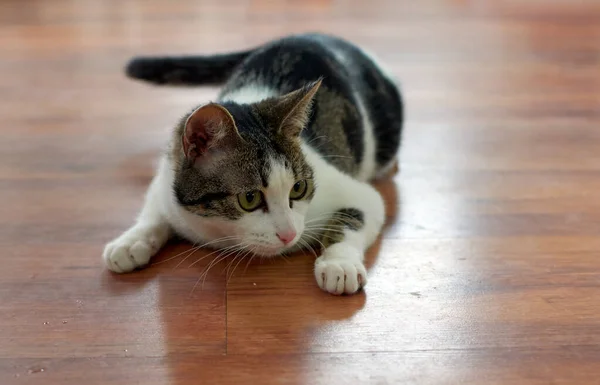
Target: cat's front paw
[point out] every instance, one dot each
(339, 273)
(134, 248)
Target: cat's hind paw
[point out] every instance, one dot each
(340, 274)
(134, 248)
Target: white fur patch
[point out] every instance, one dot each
(335, 191)
(368, 166)
(281, 180)
(249, 94)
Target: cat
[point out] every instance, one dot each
(280, 161)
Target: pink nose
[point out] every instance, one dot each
(286, 237)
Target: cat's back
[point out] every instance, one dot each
(356, 119)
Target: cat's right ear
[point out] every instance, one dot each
(208, 127)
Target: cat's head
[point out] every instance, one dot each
(241, 172)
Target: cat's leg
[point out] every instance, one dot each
(134, 248)
(358, 217)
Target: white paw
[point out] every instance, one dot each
(134, 248)
(339, 273)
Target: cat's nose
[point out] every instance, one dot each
(286, 237)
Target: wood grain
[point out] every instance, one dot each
(488, 271)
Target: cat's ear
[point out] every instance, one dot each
(296, 108)
(210, 126)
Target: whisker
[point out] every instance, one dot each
(206, 271)
(326, 213)
(308, 246)
(194, 246)
(249, 261)
(315, 138)
(235, 257)
(316, 240)
(206, 256)
(186, 257)
(241, 250)
(194, 288)
(321, 216)
(216, 251)
(235, 267)
(318, 146)
(215, 262)
(338, 223)
(334, 215)
(332, 229)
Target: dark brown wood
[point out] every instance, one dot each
(488, 272)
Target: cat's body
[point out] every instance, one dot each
(280, 161)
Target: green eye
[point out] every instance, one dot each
(251, 200)
(300, 189)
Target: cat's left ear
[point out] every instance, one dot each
(210, 127)
(296, 108)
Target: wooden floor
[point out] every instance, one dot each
(488, 273)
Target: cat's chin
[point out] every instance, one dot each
(270, 252)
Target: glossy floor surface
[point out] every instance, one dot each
(489, 270)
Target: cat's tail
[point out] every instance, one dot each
(185, 70)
